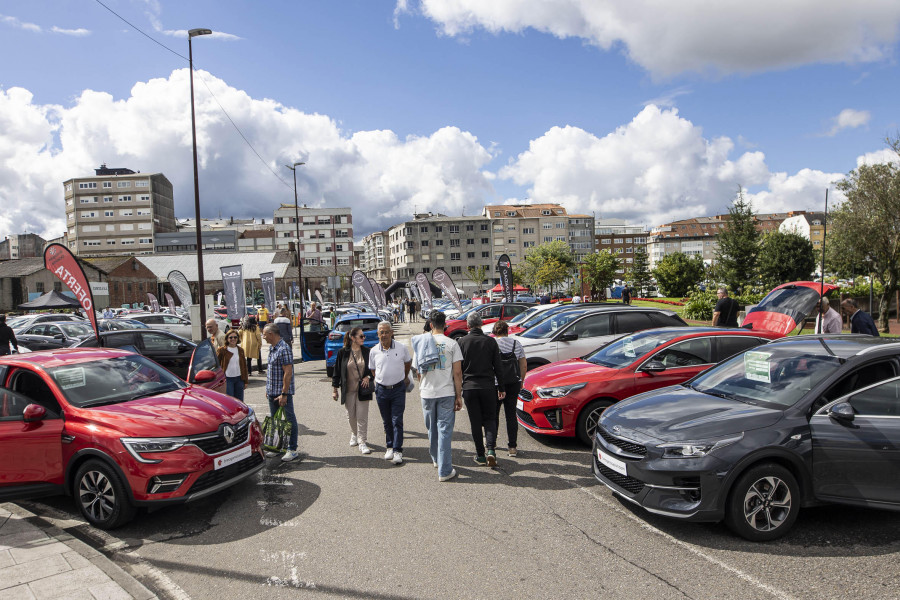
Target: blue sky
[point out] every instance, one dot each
(637, 112)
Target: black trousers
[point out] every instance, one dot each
(482, 408)
(508, 404)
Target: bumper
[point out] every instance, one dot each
(554, 417)
(213, 482)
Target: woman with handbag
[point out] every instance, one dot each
(514, 366)
(353, 379)
(231, 357)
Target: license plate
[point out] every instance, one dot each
(613, 463)
(520, 405)
(232, 457)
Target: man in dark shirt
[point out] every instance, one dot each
(7, 337)
(860, 322)
(726, 310)
(482, 386)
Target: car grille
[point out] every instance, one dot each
(525, 417)
(526, 395)
(629, 484)
(625, 445)
(214, 478)
(217, 444)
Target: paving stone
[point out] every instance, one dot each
(68, 583)
(6, 559)
(109, 591)
(20, 592)
(37, 550)
(27, 572)
(76, 560)
(22, 538)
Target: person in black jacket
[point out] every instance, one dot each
(860, 322)
(7, 337)
(351, 372)
(482, 385)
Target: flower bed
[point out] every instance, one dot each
(661, 301)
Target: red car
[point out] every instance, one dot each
(490, 313)
(117, 431)
(566, 398)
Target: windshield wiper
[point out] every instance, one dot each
(103, 402)
(161, 390)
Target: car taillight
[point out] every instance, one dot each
(335, 336)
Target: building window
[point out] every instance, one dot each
(91, 243)
(470, 228)
(107, 198)
(144, 198)
(470, 255)
(485, 240)
(346, 261)
(107, 184)
(454, 243)
(546, 225)
(110, 242)
(89, 185)
(88, 214)
(89, 200)
(126, 213)
(454, 256)
(496, 213)
(123, 184)
(454, 228)
(548, 238)
(423, 230)
(484, 227)
(455, 270)
(560, 225)
(511, 241)
(424, 244)
(145, 240)
(438, 242)
(528, 244)
(109, 213)
(311, 262)
(142, 183)
(485, 255)
(124, 198)
(546, 213)
(527, 230)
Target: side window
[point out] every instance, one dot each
(33, 387)
(511, 311)
(154, 342)
(37, 330)
(152, 320)
(12, 405)
(731, 345)
(879, 401)
(689, 353)
(491, 312)
(860, 378)
(629, 322)
(117, 340)
(204, 358)
(592, 326)
(664, 320)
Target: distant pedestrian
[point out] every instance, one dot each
(830, 317)
(860, 322)
(285, 328)
(7, 337)
(280, 385)
(390, 363)
(262, 314)
(483, 384)
(231, 359)
(411, 307)
(545, 298)
(108, 313)
(514, 366)
(626, 294)
(251, 342)
(314, 314)
(725, 311)
(216, 336)
(351, 377)
(576, 299)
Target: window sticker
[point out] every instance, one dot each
(628, 348)
(757, 366)
(70, 378)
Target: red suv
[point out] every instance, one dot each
(490, 313)
(117, 431)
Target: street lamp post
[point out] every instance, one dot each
(297, 225)
(200, 283)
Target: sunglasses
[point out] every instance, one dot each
(233, 337)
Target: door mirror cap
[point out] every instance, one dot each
(184, 348)
(59, 336)
(653, 366)
(34, 412)
(204, 376)
(842, 411)
(567, 337)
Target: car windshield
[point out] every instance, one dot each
(465, 315)
(776, 377)
(75, 329)
(113, 380)
(549, 326)
(366, 324)
(523, 316)
(623, 351)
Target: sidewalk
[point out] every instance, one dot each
(40, 561)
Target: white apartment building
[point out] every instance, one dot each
(517, 227)
(326, 236)
(375, 258)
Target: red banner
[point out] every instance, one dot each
(63, 264)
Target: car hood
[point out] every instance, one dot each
(566, 372)
(189, 411)
(677, 413)
(786, 306)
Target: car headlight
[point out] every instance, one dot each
(559, 391)
(139, 446)
(696, 449)
(251, 414)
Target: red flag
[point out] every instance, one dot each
(64, 265)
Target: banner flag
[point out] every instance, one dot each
(440, 277)
(171, 302)
(179, 283)
(154, 303)
(268, 286)
(379, 293)
(62, 263)
(424, 290)
(235, 298)
(319, 297)
(362, 284)
(506, 282)
(413, 290)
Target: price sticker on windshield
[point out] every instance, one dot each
(69, 378)
(757, 366)
(628, 348)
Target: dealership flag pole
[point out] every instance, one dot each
(821, 326)
(64, 265)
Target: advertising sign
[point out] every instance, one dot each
(153, 302)
(363, 285)
(59, 261)
(424, 290)
(319, 297)
(506, 282)
(440, 277)
(268, 286)
(171, 302)
(379, 293)
(235, 299)
(179, 283)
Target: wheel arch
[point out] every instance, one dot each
(778, 456)
(86, 454)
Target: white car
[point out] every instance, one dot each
(171, 323)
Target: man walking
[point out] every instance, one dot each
(440, 385)
(726, 310)
(280, 385)
(482, 378)
(860, 322)
(7, 337)
(390, 363)
(262, 314)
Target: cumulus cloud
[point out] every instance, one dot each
(668, 38)
(885, 155)
(848, 118)
(80, 32)
(14, 22)
(667, 100)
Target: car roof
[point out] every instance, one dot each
(47, 359)
(843, 345)
(362, 315)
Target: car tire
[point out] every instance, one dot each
(329, 371)
(587, 420)
(763, 503)
(103, 499)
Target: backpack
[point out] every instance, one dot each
(509, 365)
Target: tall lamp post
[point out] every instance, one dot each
(200, 283)
(297, 225)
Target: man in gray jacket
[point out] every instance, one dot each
(482, 386)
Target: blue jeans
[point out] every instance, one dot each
(234, 387)
(439, 420)
(391, 404)
(289, 413)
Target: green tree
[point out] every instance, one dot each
(639, 275)
(866, 226)
(533, 263)
(738, 245)
(476, 275)
(677, 274)
(785, 257)
(599, 270)
(551, 273)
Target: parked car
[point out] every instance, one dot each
(802, 421)
(52, 335)
(526, 297)
(544, 311)
(369, 323)
(116, 431)
(171, 323)
(490, 313)
(786, 306)
(120, 324)
(22, 322)
(566, 398)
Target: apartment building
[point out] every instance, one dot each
(375, 255)
(326, 236)
(810, 225)
(620, 238)
(117, 211)
(22, 245)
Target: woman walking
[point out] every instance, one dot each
(514, 366)
(231, 357)
(251, 342)
(353, 379)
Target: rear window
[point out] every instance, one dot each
(366, 324)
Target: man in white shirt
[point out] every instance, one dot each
(390, 363)
(830, 317)
(440, 385)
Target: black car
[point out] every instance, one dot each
(801, 421)
(54, 335)
(167, 349)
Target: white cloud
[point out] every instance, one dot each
(667, 100)
(14, 22)
(80, 32)
(885, 155)
(668, 38)
(215, 35)
(848, 118)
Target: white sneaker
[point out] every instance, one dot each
(353, 441)
(398, 458)
(389, 454)
(434, 462)
(290, 455)
(452, 474)
(270, 454)
(364, 449)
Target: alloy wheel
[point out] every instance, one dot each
(97, 496)
(767, 503)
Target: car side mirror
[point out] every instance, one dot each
(34, 412)
(59, 336)
(184, 347)
(204, 376)
(842, 411)
(567, 337)
(653, 366)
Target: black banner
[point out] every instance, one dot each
(268, 286)
(506, 282)
(364, 287)
(235, 298)
(442, 278)
(378, 292)
(424, 290)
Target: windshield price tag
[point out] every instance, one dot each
(69, 378)
(628, 348)
(757, 366)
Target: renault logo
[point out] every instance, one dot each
(228, 434)
(616, 429)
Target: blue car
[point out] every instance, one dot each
(369, 323)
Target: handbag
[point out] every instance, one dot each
(509, 365)
(362, 393)
(276, 432)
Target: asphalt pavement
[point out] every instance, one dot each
(342, 525)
